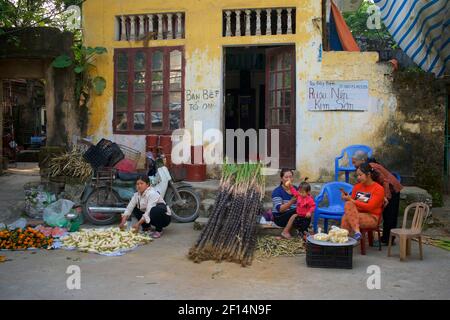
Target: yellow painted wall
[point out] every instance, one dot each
(204, 63)
(329, 132)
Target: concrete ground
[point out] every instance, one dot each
(161, 270)
(11, 189)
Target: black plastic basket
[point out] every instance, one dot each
(339, 257)
(116, 155)
(104, 143)
(103, 154)
(96, 157)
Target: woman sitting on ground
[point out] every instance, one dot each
(364, 206)
(148, 207)
(284, 202)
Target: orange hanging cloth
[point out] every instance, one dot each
(347, 41)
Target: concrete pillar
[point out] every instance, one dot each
(228, 23)
(169, 26)
(123, 35)
(62, 110)
(160, 26)
(258, 22)
(179, 34)
(289, 21)
(269, 22)
(279, 21)
(52, 136)
(238, 23)
(247, 22)
(133, 28)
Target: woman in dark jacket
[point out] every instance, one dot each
(284, 203)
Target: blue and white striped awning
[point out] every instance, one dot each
(421, 29)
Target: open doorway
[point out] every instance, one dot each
(259, 88)
(24, 119)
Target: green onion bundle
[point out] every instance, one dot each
(230, 233)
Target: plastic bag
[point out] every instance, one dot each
(54, 214)
(338, 235)
(36, 200)
(75, 224)
(54, 232)
(126, 165)
(268, 215)
(18, 224)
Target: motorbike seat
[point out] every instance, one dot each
(125, 176)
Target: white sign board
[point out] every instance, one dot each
(338, 95)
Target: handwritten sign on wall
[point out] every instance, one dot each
(338, 95)
(204, 99)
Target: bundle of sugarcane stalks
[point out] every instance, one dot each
(230, 233)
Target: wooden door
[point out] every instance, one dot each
(280, 100)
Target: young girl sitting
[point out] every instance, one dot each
(305, 210)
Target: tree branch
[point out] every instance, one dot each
(52, 14)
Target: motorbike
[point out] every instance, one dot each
(107, 196)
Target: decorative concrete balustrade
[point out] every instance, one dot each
(256, 22)
(158, 26)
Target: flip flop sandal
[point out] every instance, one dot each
(156, 235)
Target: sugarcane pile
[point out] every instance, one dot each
(70, 164)
(270, 246)
(230, 233)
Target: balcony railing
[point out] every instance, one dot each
(256, 22)
(157, 26)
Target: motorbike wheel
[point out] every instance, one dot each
(188, 211)
(101, 197)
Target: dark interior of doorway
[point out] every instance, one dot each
(245, 87)
(24, 119)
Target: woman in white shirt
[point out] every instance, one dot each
(148, 207)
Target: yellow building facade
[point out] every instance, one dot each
(171, 63)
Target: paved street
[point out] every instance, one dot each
(161, 270)
(11, 189)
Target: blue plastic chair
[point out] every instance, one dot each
(395, 174)
(335, 209)
(350, 151)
